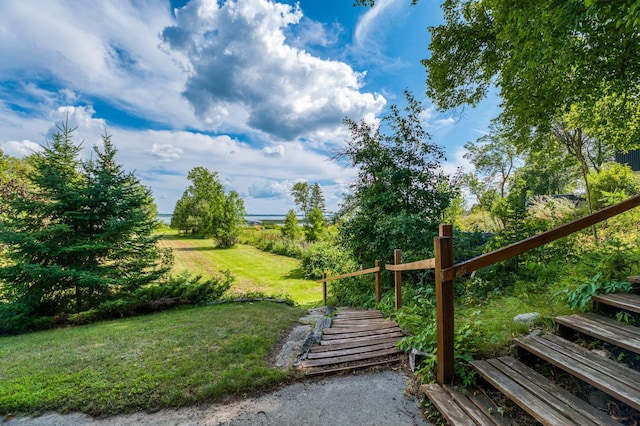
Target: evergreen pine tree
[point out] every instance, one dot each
(85, 234)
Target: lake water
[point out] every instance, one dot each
(273, 218)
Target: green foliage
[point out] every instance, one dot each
(400, 194)
(273, 242)
(232, 220)
(316, 225)
(310, 202)
(614, 183)
(495, 156)
(206, 211)
(581, 297)
(80, 234)
(182, 289)
(290, 229)
(419, 317)
(577, 57)
(325, 256)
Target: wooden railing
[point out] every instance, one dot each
(446, 271)
(374, 270)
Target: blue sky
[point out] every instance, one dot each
(253, 89)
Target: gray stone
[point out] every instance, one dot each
(528, 318)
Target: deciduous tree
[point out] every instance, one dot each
(400, 193)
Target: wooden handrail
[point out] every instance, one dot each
(412, 266)
(536, 241)
(351, 274)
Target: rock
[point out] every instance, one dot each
(292, 346)
(528, 318)
(415, 358)
(599, 399)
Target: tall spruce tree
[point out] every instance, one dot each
(83, 235)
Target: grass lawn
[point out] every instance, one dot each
(255, 271)
(169, 359)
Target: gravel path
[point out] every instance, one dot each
(374, 398)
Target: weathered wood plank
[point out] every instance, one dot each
(520, 394)
(628, 302)
(363, 333)
(348, 313)
(412, 266)
(487, 405)
(598, 371)
(351, 274)
(479, 417)
(350, 351)
(562, 400)
(362, 338)
(344, 330)
(348, 358)
(354, 366)
(605, 329)
(348, 345)
(449, 409)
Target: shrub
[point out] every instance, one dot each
(325, 256)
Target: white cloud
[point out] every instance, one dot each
(106, 50)
(238, 58)
(20, 148)
(372, 22)
(166, 152)
(274, 151)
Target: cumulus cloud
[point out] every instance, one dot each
(107, 50)
(20, 148)
(241, 66)
(166, 151)
(264, 188)
(274, 151)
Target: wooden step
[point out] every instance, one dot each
(471, 409)
(626, 301)
(607, 375)
(603, 328)
(545, 401)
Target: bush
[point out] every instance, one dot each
(182, 289)
(325, 256)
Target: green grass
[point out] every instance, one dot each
(495, 317)
(255, 271)
(175, 358)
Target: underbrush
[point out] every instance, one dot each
(182, 289)
(272, 241)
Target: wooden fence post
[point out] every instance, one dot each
(378, 289)
(397, 260)
(443, 250)
(324, 288)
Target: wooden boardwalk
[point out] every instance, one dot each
(356, 339)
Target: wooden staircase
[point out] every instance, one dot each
(357, 339)
(544, 400)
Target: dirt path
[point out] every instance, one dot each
(375, 398)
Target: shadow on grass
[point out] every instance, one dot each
(201, 248)
(294, 274)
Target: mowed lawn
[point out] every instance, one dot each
(175, 358)
(255, 271)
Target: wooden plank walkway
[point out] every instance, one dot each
(357, 339)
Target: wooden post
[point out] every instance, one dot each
(443, 249)
(378, 289)
(397, 260)
(324, 288)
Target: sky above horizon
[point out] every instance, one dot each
(255, 90)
